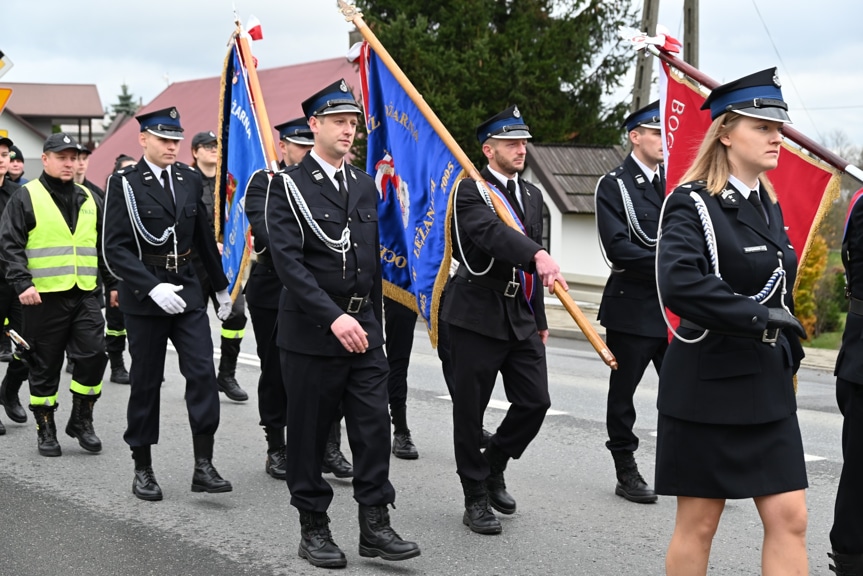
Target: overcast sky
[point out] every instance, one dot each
(818, 46)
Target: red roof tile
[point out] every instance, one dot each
(55, 100)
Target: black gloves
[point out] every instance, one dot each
(781, 318)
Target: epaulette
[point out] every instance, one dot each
(291, 168)
(182, 166)
(694, 185)
(616, 172)
(360, 170)
(128, 169)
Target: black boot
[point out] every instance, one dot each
(144, 485)
(477, 512)
(498, 497)
(316, 541)
(9, 399)
(5, 347)
(205, 477)
(276, 458)
(80, 424)
(334, 461)
(846, 564)
(378, 539)
(630, 484)
(485, 439)
(228, 369)
(119, 374)
(46, 430)
(403, 444)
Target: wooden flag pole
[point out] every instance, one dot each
(352, 15)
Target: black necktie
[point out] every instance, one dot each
(657, 186)
(510, 187)
(166, 184)
(755, 200)
(343, 190)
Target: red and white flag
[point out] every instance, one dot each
(804, 185)
(254, 28)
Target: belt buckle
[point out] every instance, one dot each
(171, 267)
(355, 304)
(770, 335)
(511, 289)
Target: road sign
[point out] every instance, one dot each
(5, 93)
(5, 63)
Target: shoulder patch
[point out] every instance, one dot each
(128, 169)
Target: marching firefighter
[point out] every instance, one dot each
(49, 245)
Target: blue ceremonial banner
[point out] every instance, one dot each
(415, 174)
(242, 154)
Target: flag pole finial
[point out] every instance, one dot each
(349, 11)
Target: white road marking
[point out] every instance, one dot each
(502, 405)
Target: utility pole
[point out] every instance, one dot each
(644, 63)
(690, 32)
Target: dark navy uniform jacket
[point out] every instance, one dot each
(311, 272)
(849, 363)
(731, 376)
(264, 288)
(484, 236)
(157, 212)
(629, 301)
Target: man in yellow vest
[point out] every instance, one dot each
(49, 247)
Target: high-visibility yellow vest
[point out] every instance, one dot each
(59, 259)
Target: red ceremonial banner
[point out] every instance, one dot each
(805, 186)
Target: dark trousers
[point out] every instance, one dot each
(148, 340)
(399, 324)
(443, 354)
(10, 309)
(634, 353)
(115, 330)
(476, 360)
(70, 322)
(272, 400)
(846, 536)
(316, 385)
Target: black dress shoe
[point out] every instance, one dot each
(316, 541)
(379, 540)
(276, 465)
(207, 479)
(231, 388)
(403, 446)
(632, 486)
(479, 517)
(498, 497)
(144, 486)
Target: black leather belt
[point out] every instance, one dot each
(167, 261)
(768, 336)
(264, 259)
(855, 306)
(352, 304)
(508, 288)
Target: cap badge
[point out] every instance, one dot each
(776, 81)
(211, 134)
(343, 87)
(173, 113)
(66, 140)
(515, 112)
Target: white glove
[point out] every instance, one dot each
(165, 296)
(225, 305)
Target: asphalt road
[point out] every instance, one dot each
(76, 515)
